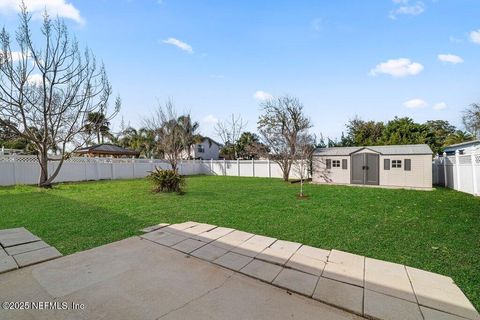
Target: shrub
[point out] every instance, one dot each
(166, 180)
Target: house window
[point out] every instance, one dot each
(336, 163)
(396, 163)
(200, 148)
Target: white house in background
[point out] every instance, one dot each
(463, 148)
(205, 150)
(403, 166)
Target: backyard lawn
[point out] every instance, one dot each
(437, 231)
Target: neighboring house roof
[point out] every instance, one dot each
(107, 148)
(462, 145)
(385, 150)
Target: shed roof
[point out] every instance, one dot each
(385, 150)
(107, 148)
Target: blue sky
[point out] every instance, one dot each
(375, 59)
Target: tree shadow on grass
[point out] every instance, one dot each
(66, 224)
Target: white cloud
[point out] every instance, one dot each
(397, 68)
(407, 8)
(61, 8)
(210, 120)
(440, 106)
(451, 58)
(455, 39)
(415, 104)
(16, 56)
(262, 96)
(179, 44)
(475, 36)
(35, 79)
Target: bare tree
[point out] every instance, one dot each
(169, 133)
(281, 126)
(471, 119)
(230, 131)
(47, 93)
(303, 159)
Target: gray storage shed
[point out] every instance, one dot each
(404, 166)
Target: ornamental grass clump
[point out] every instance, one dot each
(166, 181)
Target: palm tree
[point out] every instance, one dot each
(458, 137)
(98, 124)
(189, 132)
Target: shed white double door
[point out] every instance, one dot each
(365, 168)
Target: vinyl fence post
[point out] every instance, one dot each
(211, 166)
(445, 178)
(97, 169)
(269, 168)
(15, 169)
(238, 167)
(457, 168)
(253, 167)
(133, 167)
(474, 172)
(112, 172)
(224, 167)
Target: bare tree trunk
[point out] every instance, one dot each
(43, 157)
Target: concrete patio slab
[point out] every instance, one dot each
(36, 256)
(381, 306)
(431, 314)
(315, 253)
(279, 252)
(339, 294)
(213, 234)
(233, 261)
(440, 292)
(7, 263)
(178, 227)
(209, 252)
(232, 239)
(149, 281)
(26, 247)
(261, 270)
(16, 236)
(155, 227)
(388, 278)
(296, 281)
(198, 229)
(164, 238)
(188, 245)
(306, 264)
(345, 267)
(3, 253)
(253, 246)
(250, 299)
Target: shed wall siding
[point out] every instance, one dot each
(333, 175)
(420, 175)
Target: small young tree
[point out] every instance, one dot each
(281, 126)
(229, 132)
(303, 159)
(47, 93)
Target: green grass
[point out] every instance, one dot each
(437, 231)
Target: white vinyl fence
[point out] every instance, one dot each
(459, 172)
(26, 170)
